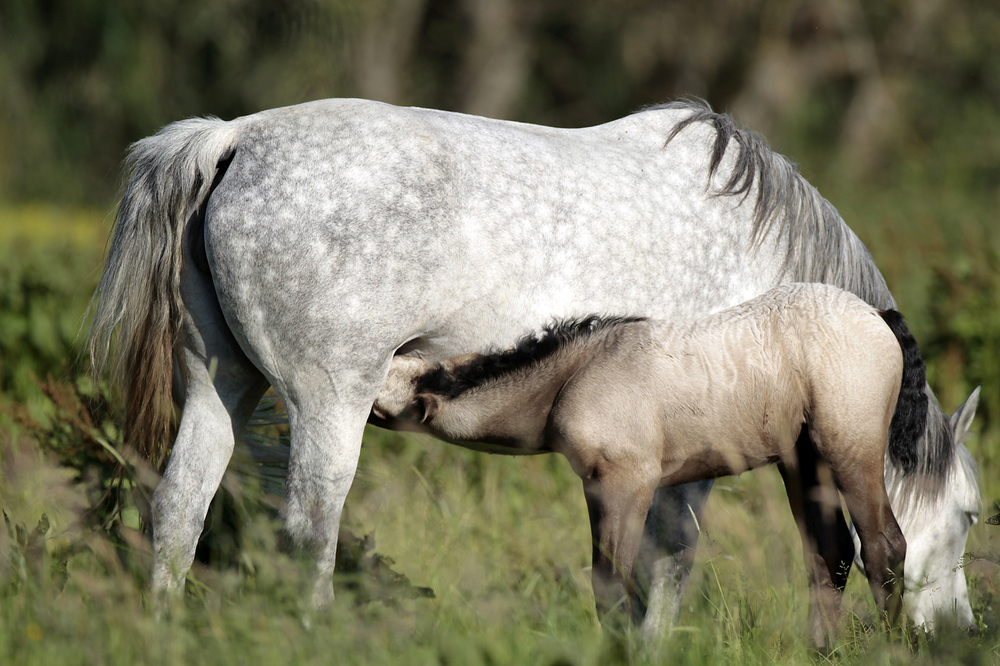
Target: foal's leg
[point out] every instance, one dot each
(826, 540)
(857, 459)
(666, 555)
(617, 510)
(220, 389)
(883, 547)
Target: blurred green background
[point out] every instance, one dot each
(891, 108)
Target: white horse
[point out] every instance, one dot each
(303, 247)
(804, 376)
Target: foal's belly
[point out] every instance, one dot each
(711, 463)
(729, 444)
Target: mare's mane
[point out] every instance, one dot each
(529, 351)
(940, 463)
(819, 246)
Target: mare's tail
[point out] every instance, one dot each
(138, 301)
(910, 419)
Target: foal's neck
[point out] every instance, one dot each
(513, 410)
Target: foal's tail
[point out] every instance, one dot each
(138, 301)
(910, 419)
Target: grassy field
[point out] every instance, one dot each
(503, 543)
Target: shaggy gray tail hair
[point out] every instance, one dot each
(138, 303)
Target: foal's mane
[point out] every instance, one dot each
(940, 463)
(529, 351)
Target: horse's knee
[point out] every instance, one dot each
(312, 519)
(884, 556)
(896, 546)
(896, 555)
(890, 542)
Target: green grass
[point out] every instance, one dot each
(502, 542)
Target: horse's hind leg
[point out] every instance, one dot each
(826, 540)
(220, 388)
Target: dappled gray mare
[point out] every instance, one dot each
(804, 375)
(303, 247)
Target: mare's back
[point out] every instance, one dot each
(468, 231)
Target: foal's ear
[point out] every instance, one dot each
(424, 407)
(961, 420)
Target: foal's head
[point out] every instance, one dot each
(498, 395)
(409, 394)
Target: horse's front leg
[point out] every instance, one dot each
(883, 546)
(617, 508)
(826, 541)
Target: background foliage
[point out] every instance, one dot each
(891, 108)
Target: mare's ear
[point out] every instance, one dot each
(424, 407)
(961, 420)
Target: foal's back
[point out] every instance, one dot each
(731, 391)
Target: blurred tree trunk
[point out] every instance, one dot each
(872, 120)
(385, 48)
(800, 47)
(805, 46)
(846, 78)
(496, 59)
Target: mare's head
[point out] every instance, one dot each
(935, 506)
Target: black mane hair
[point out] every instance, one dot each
(529, 350)
(910, 418)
